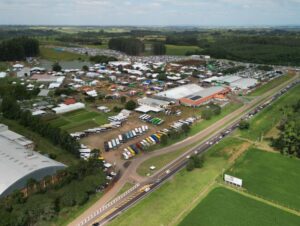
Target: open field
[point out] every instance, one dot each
(271, 176)
(80, 120)
(228, 208)
(42, 144)
(56, 55)
(180, 50)
(270, 85)
(270, 116)
(175, 196)
(229, 108)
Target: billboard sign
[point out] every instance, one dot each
(233, 180)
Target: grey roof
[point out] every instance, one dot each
(18, 164)
(180, 92)
(153, 102)
(43, 93)
(205, 93)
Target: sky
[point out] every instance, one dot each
(150, 12)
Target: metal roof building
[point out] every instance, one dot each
(179, 92)
(204, 96)
(18, 163)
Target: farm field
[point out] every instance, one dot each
(55, 55)
(270, 175)
(180, 50)
(80, 120)
(270, 116)
(228, 208)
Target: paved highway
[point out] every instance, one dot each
(126, 200)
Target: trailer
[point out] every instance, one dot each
(134, 133)
(113, 143)
(110, 145)
(140, 130)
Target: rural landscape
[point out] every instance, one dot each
(128, 122)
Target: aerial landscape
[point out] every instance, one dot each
(150, 113)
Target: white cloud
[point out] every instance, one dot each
(154, 12)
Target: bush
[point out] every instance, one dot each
(244, 125)
(56, 67)
(130, 105)
(190, 165)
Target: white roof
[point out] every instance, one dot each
(38, 112)
(63, 108)
(244, 83)
(92, 93)
(118, 63)
(3, 74)
(211, 79)
(180, 92)
(18, 66)
(146, 109)
(18, 164)
(230, 78)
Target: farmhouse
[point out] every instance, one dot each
(18, 162)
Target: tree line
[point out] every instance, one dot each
(18, 49)
(10, 109)
(288, 141)
(130, 46)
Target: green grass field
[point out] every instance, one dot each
(229, 108)
(180, 50)
(270, 85)
(271, 176)
(223, 207)
(176, 196)
(80, 120)
(55, 55)
(270, 116)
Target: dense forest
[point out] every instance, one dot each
(131, 46)
(288, 141)
(278, 46)
(18, 49)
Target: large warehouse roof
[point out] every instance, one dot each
(180, 92)
(205, 93)
(18, 164)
